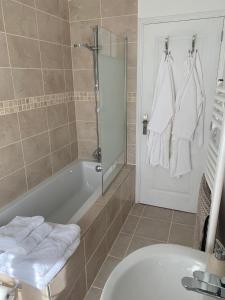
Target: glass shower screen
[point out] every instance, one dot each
(112, 97)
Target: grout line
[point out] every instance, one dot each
(171, 223)
(38, 9)
(132, 236)
(103, 18)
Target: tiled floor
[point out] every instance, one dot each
(145, 225)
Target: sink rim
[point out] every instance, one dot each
(146, 252)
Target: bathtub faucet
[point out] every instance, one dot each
(97, 154)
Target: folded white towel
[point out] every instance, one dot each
(45, 261)
(17, 230)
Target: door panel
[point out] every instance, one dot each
(157, 187)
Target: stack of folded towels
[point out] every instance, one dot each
(33, 251)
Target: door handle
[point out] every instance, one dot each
(145, 124)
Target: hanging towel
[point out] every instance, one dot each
(189, 117)
(159, 127)
(17, 230)
(40, 266)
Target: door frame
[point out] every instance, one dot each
(142, 22)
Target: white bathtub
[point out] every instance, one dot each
(63, 198)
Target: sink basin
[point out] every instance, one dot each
(155, 273)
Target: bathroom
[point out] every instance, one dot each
(78, 82)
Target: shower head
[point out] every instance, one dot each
(84, 45)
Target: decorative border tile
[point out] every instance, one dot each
(13, 106)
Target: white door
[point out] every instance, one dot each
(155, 185)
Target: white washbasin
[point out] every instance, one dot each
(155, 273)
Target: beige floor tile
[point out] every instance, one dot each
(137, 210)
(153, 229)
(106, 269)
(120, 246)
(130, 224)
(184, 218)
(182, 235)
(93, 294)
(158, 213)
(140, 242)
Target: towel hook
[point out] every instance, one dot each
(193, 44)
(166, 46)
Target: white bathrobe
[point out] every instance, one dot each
(189, 117)
(159, 127)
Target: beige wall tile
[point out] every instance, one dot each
(112, 208)
(19, 19)
(6, 85)
(65, 32)
(84, 9)
(85, 111)
(54, 81)
(28, 2)
(118, 7)
(120, 246)
(67, 59)
(38, 171)
(86, 130)
(11, 159)
(57, 115)
(95, 234)
(55, 7)
(79, 289)
(1, 18)
(69, 274)
(61, 158)
(96, 261)
(4, 58)
(86, 149)
(82, 31)
(131, 112)
(9, 132)
(24, 52)
(131, 79)
(131, 134)
(132, 55)
(114, 230)
(36, 147)
(49, 27)
(122, 25)
(68, 80)
(82, 58)
(73, 132)
(71, 111)
(83, 80)
(59, 137)
(27, 82)
(12, 186)
(131, 154)
(33, 122)
(51, 56)
(74, 151)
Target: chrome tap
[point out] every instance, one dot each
(206, 283)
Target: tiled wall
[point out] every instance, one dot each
(37, 108)
(118, 16)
